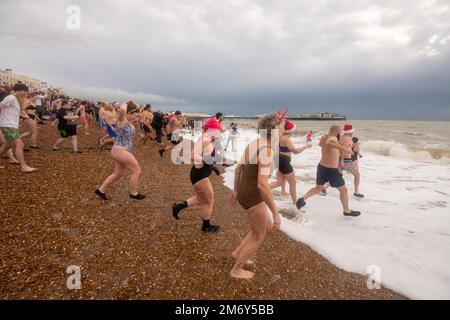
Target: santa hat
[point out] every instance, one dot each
(348, 128)
(289, 126)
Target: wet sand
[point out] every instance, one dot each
(127, 249)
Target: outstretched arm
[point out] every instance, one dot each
(295, 150)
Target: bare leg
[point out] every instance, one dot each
(18, 148)
(118, 173)
(205, 195)
(344, 198)
(292, 186)
(356, 178)
(11, 157)
(74, 141)
(177, 207)
(4, 147)
(59, 142)
(25, 134)
(257, 217)
(312, 192)
(280, 182)
(34, 132)
(237, 251)
(283, 187)
(192, 201)
(233, 144)
(131, 164)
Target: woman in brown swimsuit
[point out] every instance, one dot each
(252, 191)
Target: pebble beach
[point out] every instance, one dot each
(51, 220)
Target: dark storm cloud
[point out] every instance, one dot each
(378, 59)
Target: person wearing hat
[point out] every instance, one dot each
(328, 170)
(10, 109)
(285, 170)
(346, 162)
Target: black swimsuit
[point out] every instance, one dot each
(354, 155)
(31, 115)
(284, 164)
(204, 172)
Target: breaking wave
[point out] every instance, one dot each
(402, 151)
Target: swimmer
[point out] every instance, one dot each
(346, 160)
(252, 191)
(285, 170)
(327, 170)
(30, 120)
(173, 130)
(121, 152)
(82, 120)
(203, 157)
(146, 123)
(109, 121)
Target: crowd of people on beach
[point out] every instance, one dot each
(23, 110)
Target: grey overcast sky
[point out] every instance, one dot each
(366, 59)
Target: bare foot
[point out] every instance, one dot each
(13, 162)
(241, 274)
(28, 169)
(249, 262)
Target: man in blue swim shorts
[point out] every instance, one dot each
(328, 171)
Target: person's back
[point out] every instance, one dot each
(158, 119)
(233, 129)
(247, 196)
(346, 141)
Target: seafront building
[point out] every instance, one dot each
(8, 77)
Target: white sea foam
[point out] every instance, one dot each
(402, 151)
(405, 223)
